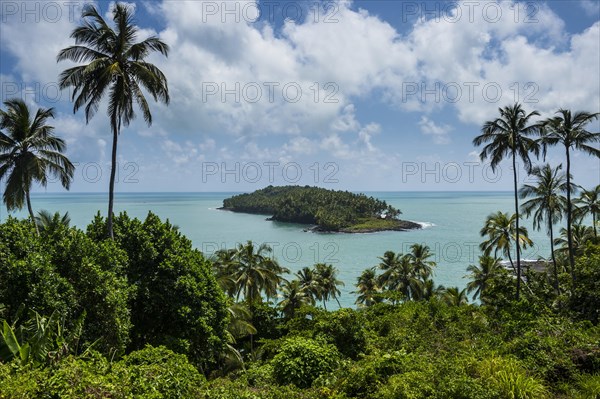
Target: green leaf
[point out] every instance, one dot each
(10, 340)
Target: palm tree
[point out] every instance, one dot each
(308, 282)
(580, 234)
(453, 297)
(115, 67)
(480, 275)
(588, 203)
(419, 256)
(399, 274)
(326, 278)
(29, 151)
(427, 290)
(368, 288)
(240, 326)
(294, 296)
(569, 130)
(502, 233)
(547, 204)
(224, 265)
(46, 221)
(510, 135)
(256, 272)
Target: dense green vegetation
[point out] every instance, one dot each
(147, 286)
(329, 210)
(146, 316)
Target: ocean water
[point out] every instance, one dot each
(451, 223)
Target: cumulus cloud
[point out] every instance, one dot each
(591, 7)
(439, 133)
(305, 80)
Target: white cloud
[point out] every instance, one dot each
(591, 7)
(363, 57)
(439, 133)
(300, 146)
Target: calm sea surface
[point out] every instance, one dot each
(451, 221)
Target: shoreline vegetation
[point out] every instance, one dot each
(327, 211)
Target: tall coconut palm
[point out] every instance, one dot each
(367, 288)
(420, 256)
(256, 272)
(29, 151)
(306, 277)
(568, 130)
(114, 66)
(327, 281)
(481, 275)
(502, 234)
(547, 203)
(294, 296)
(399, 275)
(510, 135)
(588, 203)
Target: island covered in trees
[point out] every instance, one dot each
(327, 210)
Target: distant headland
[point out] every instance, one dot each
(325, 210)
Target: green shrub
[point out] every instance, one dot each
(300, 361)
(67, 273)
(345, 329)
(27, 274)
(177, 301)
(411, 385)
(154, 373)
(508, 377)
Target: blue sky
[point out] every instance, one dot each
(363, 95)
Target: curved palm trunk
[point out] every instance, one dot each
(569, 221)
(514, 161)
(594, 224)
(111, 188)
(338, 302)
(31, 215)
(511, 262)
(553, 256)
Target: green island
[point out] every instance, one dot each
(327, 210)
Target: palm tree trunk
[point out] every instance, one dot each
(594, 224)
(338, 302)
(553, 256)
(511, 262)
(30, 209)
(111, 188)
(514, 161)
(569, 221)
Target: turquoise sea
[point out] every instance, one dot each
(451, 221)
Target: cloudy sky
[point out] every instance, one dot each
(359, 95)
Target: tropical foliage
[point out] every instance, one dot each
(568, 130)
(329, 210)
(29, 152)
(511, 135)
(410, 339)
